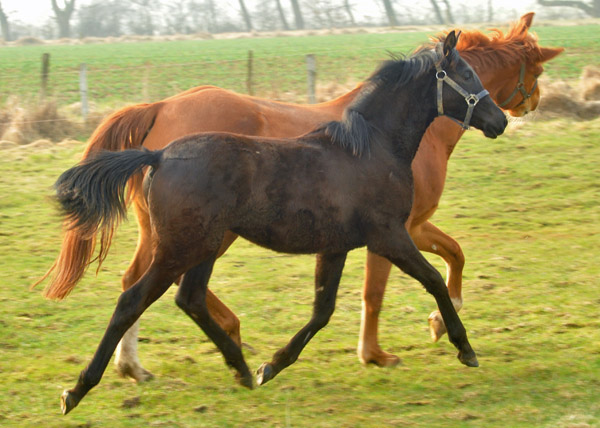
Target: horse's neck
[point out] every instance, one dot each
(404, 123)
(337, 105)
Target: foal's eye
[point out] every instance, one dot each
(468, 75)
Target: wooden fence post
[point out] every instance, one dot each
(311, 67)
(250, 75)
(45, 73)
(83, 89)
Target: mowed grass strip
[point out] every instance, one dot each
(523, 207)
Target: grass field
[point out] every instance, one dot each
(524, 208)
(148, 71)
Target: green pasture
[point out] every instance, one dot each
(121, 73)
(525, 210)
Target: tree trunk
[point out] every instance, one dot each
(246, 15)
(592, 9)
(63, 17)
(449, 16)
(282, 16)
(4, 26)
(438, 12)
(297, 15)
(389, 11)
(490, 11)
(348, 8)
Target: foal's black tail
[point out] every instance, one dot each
(92, 194)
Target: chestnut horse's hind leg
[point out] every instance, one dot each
(328, 273)
(191, 297)
(132, 303)
(431, 239)
(377, 272)
(403, 253)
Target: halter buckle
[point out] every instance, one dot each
(472, 99)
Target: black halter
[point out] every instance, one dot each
(471, 99)
(520, 88)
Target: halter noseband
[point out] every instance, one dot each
(471, 99)
(520, 88)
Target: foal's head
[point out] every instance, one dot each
(460, 93)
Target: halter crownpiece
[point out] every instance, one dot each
(520, 88)
(470, 99)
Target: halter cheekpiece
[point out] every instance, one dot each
(470, 99)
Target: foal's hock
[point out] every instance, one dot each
(344, 185)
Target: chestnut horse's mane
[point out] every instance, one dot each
(483, 50)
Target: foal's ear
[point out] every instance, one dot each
(450, 42)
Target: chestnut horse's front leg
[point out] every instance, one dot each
(377, 271)
(429, 238)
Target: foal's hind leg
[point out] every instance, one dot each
(328, 273)
(431, 239)
(126, 358)
(191, 297)
(130, 306)
(403, 253)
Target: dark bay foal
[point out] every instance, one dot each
(345, 185)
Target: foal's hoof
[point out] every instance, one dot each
(67, 402)
(246, 381)
(264, 374)
(437, 328)
(469, 359)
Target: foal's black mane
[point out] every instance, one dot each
(354, 133)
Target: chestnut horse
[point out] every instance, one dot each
(345, 185)
(497, 58)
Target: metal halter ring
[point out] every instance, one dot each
(472, 100)
(441, 74)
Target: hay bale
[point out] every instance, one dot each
(5, 145)
(28, 41)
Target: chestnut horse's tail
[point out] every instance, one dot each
(124, 129)
(92, 196)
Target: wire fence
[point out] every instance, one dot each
(134, 78)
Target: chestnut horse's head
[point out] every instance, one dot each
(509, 65)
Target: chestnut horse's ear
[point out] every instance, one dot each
(546, 54)
(526, 20)
(450, 42)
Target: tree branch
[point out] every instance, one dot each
(568, 3)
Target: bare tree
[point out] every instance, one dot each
(449, 16)
(4, 25)
(389, 11)
(591, 8)
(438, 12)
(298, 14)
(63, 16)
(348, 8)
(282, 15)
(246, 15)
(490, 11)
(141, 20)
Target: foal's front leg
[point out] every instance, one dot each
(431, 239)
(402, 252)
(328, 273)
(132, 303)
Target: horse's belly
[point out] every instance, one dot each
(301, 233)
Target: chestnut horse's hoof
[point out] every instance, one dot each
(134, 372)
(380, 358)
(264, 373)
(437, 328)
(469, 359)
(67, 402)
